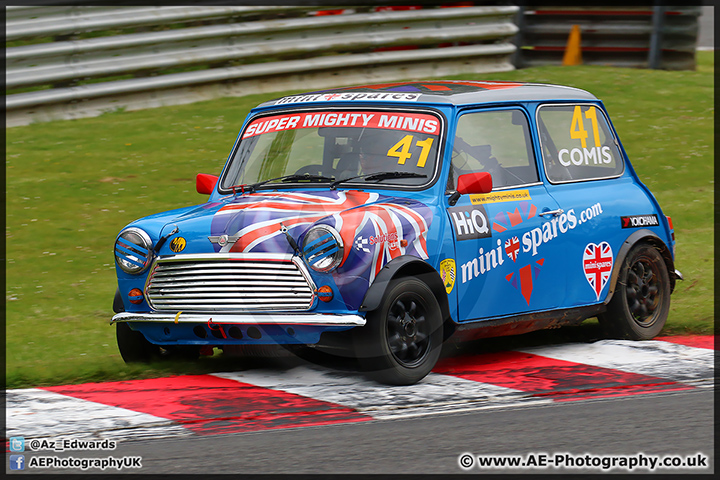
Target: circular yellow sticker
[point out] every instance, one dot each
(178, 244)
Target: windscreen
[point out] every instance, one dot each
(329, 145)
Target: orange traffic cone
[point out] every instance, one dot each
(573, 53)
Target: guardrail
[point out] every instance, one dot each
(154, 56)
(644, 37)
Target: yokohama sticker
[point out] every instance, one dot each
(597, 265)
(636, 221)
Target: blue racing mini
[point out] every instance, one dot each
(395, 216)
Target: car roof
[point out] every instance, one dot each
(455, 92)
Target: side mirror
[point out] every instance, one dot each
(205, 183)
(477, 182)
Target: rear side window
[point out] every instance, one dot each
(577, 144)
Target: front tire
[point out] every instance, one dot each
(133, 346)
(641, 302)
(401, 341)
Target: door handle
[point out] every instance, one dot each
(554, 213)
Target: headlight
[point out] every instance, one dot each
(322, 248)
(133, 250)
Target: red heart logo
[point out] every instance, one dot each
(597, 265)
(512, 248)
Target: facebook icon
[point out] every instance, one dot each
(17, 462)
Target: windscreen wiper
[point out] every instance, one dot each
(378, 176)
(285, 178)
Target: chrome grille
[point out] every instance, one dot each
(225, 283)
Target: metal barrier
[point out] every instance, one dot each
(97, 59)
(645, 37)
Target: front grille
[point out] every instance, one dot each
(227, 284)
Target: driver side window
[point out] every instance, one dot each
(498, 142)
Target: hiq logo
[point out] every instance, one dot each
(17, 462)
(470, 222)
(17, 444)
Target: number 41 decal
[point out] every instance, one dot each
(577, 127)
(401, 150)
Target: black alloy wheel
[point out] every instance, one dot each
(641, 302)
(401, 341)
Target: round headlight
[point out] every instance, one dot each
(322, 248)
(133, 250)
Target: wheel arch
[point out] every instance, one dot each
(408, 266)
(118, 305)
(641, 236)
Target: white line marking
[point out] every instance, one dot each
(380, 401)
(36, 413)
(655, 358)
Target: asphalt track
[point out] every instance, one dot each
(590, 397)
(660, 424)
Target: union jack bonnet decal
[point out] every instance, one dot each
(254, 220)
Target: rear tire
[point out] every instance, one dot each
(401, 341)
(641, 302)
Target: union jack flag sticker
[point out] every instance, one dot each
(597, 265)
(512, 248)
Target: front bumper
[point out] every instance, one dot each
(308, 319)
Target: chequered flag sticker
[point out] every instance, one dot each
(361, 244)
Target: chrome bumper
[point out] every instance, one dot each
(314, 319)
